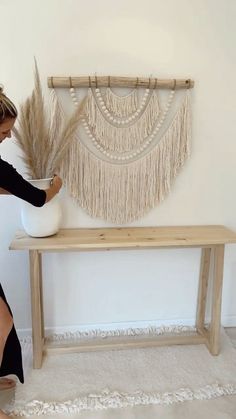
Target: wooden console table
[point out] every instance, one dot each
(211, 239)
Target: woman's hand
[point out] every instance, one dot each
(4, 192)
(56, 182)
(55, 186)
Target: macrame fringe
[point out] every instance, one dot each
(114, 399)
(121, 137)
(122, 106)
(123, 192)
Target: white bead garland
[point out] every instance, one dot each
(115, 119)
(74, 96)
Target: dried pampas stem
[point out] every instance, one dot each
(42, 134)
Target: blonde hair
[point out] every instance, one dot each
(7, 108)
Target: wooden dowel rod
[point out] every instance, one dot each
(113, 81)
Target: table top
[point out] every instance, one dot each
(123, 238)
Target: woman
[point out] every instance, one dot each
(12, 182)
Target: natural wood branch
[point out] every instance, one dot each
(113, 81)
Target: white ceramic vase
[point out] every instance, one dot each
(41, 221)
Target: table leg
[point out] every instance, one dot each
(41, 294)
(202, 289)
(36, 307)
(214, 331)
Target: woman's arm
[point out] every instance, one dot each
(50, 192)
(15, 184)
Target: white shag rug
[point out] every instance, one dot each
(72, 383)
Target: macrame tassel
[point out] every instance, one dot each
(122, 193)
(121, 106)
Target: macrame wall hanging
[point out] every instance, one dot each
(128, 148)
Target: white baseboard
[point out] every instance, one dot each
(229, 321)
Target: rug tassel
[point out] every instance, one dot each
(114, 399)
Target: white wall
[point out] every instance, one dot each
(184, 38)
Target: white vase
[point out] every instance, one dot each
(41, 221)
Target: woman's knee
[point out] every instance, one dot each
(6, 320)
(7, 326)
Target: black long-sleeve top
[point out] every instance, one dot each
(13, 182)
